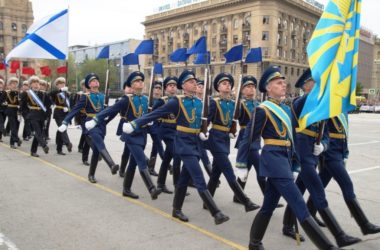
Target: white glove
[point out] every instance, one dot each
(90, 124)
(65, 109)
(345, 162)
(203, 136)
(232, 136)
(62, 128)
(64, 89)
(318, 149)
(242, 174)
(150, 123)
(19, 117)
(128, 128)
(295, 175)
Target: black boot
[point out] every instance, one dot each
(151, 165)
(288, 222)
(313, 212)
(179, 198)
(127, 184)
(258, 228)
(211, 187)
(238, 191)
(162, 179)
(342, 239)
(316, 235)
(219, 217)
(123, 165)
(154, 192)
(208, 169)
(107, 158)
(242, 185)
(360, 218)
(92, 169)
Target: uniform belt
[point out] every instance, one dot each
(221, 128)
(171, 121)
(277, 142)
(337, 136)
(307, 132)
(34, 108)
(243, 126)
(188, 130)
(60, 107)
(12, 106)
(90, 115)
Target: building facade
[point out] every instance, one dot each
(15, 18)
(282, 28)
(366, 60)
(376, 68)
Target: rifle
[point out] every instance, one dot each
(205, 99)
(106, 88)
(151, 87)
(237, 107)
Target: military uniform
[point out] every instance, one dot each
(119, 132)
(273, 122)
(12, 112)
(3, 96)
(188, 110)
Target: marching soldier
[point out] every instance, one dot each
(248, 104)
(3, 96)
(92, 103)
(44, 87)
(273, 121)
(12, 111)
(308, 150)
(135, 105)
(36, 101)
(61, 99)
(27, 130)
(221, 114)
(188, 109)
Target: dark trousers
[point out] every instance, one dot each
(27, 131)
(61, 138)
(254, 160)
(221, 164)
(204, 157)
(157, 146)
(137, 157)
(38, 139)
(47, 126)
(191, 169)
(277, 187)
(13, 124)
(2, 121)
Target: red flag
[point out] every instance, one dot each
(15, 65)
(62, 70)
(2, 66)
(45, 70)
(28, 71)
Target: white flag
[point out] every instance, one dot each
(47, 39)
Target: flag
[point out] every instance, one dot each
(15, 65)
(62, 70)
(254, 55)
(46, 38)
(203, 58)
(234, 54)
(28, 71)
(131, 59)
(199, 47)
(2, 66)
(145, 47)
(45, 70)
(179, 55)
(158, 69)
(104, 53)
(333, 58)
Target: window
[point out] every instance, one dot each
(236, 39)
(265, 51)
(1, 38)
(24, 28)
(265, 19)
(298, 72)
(291, 71)
(236, 23)
(214, 28)
(286, 70)
(14, 26)
(195, 32)
(265, 36)
(213, 41)
(1, 26)
(245, 68)
(14, 41)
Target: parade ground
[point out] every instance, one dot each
(47, 202)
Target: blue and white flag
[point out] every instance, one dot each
(64, 97)
(37, 100)
(104, 53)
(46, 39)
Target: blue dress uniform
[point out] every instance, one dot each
(273, 121)
(93, 103)
(188, 111)
(220, 114)
(308, 177)
(246, 108)
(157, 147)
(333, 166)
(11, 111)
(37, 116)
(135, 106)
(167, 131)
(119, 132)
(62, 102)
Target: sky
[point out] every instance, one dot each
(95, 22)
